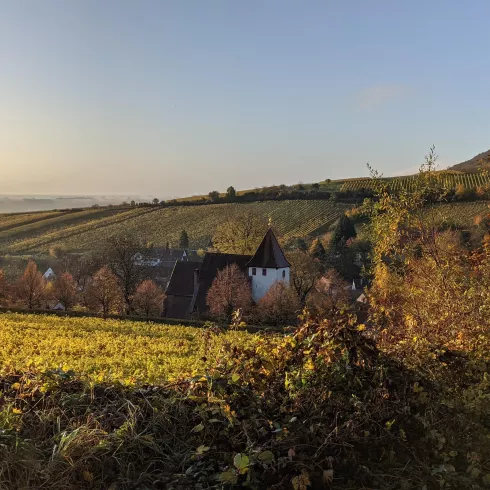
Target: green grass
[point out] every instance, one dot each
(162, 225)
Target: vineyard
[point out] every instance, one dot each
(449, 180)
(162, 225)
(13, 220)
(108, 350)
(460, 214)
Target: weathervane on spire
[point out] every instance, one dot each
(270, 222)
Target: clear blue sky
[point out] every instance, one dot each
(181, 97)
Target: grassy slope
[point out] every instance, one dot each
(108, 350)
(159, 225)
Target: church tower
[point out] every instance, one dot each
(267, 266)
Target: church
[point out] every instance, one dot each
(190, 281)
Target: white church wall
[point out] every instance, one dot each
(261, 284)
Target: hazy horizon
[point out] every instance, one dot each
(176, 99)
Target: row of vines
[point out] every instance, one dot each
(450, 180)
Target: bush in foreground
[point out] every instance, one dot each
(321, 409)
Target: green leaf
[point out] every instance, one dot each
(228, 476)
(235, 377)
(241, 461)
(198, 428)
(266, 456)
(202, 449)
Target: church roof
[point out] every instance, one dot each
(269, 255)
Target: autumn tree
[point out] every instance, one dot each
(240, 235)
(82, 267)
(317, 250)
(184, 240)
(330, 295)
(148, 299)
(104, 294)
(65, 290)
(305, 270)
(120, 255)
(230, 290)
(30, 289)
(280, 305)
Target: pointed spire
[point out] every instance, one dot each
(269, 254)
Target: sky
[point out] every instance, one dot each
(176, 98)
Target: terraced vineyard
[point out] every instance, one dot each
(450, 180)
(159, 225)
(460, 214)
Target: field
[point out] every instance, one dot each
(109, 350)
(86, 229)
(450, 180)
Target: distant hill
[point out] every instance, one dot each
(474, 165)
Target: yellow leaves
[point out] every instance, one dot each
(302, 481)
(107, 351)
(309, 364)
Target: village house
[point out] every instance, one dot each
(49, 275)
(187, 291)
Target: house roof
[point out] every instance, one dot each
(212, 263)
(182, 278)
(269, 254)
(164, 254)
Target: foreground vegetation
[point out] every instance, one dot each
(322, 407)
